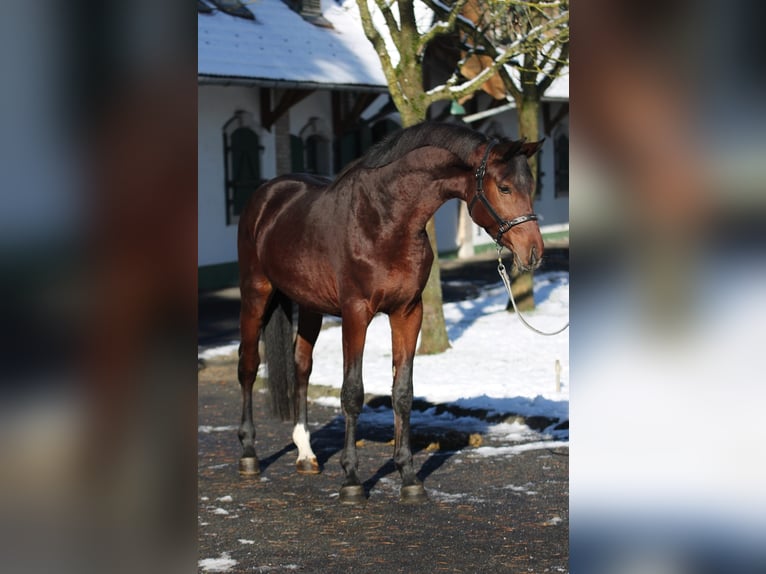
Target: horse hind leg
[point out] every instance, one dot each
(356, 319)
(309, 325)
(253, 306)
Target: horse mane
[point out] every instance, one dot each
(459, 140)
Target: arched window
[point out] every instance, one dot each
(242, 160)
(313, 145)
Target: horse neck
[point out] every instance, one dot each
(418, 200)
(428, 183)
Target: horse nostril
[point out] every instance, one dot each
(533, 255)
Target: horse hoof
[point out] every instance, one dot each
(249, 466)
(413, 494)
(307, 466)
(352, 494)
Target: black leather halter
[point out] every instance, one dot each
(504, 224)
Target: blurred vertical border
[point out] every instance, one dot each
(667, 282)
(98, 286)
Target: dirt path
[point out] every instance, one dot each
(496, 513)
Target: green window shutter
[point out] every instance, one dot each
(349, 147)
(365, 138)
(296, 154)
(561, 161)
(245, 167)
(317, 155)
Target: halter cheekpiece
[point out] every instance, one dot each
(504, 224)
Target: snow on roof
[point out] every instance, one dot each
(281, 46)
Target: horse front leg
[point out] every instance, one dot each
(356, 319)
(309, 325)
(405, 326)
(254, 301)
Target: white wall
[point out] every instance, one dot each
(446, 220)
(217, 242)
(317, 105)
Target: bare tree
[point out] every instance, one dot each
(392, 28)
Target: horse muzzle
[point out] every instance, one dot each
(532, 261)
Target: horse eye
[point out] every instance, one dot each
(504, 189)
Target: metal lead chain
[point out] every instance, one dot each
(507, 282)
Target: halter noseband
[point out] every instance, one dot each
(504, 224)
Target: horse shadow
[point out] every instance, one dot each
(433, 430)
(327, 442)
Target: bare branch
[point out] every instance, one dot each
(563, 60)
(442, 28)
(451, 91)
(385, 8)
(377, 42)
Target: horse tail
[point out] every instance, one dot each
(278, 340)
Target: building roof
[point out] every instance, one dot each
(279, 46)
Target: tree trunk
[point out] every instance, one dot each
(529, 127)
(465, 232)
(522, 288)
(433, 335)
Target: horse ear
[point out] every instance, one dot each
(509, 148)
(531, 148)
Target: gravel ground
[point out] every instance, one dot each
(499, 513)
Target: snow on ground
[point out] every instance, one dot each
(495, 362)
(223, 563)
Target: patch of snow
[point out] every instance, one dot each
(447, 497)
(208, 429)
(226, 498)
(511, 432)
(332, 402)
(554, 521)
(220, 351)
(223, 563)
(517, 448)
(221, 511)
(521, 489)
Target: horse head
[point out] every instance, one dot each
(502, 200)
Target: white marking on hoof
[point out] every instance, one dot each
(302, 439)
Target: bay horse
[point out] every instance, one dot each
(357, 246)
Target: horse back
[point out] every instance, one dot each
(286, 235)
